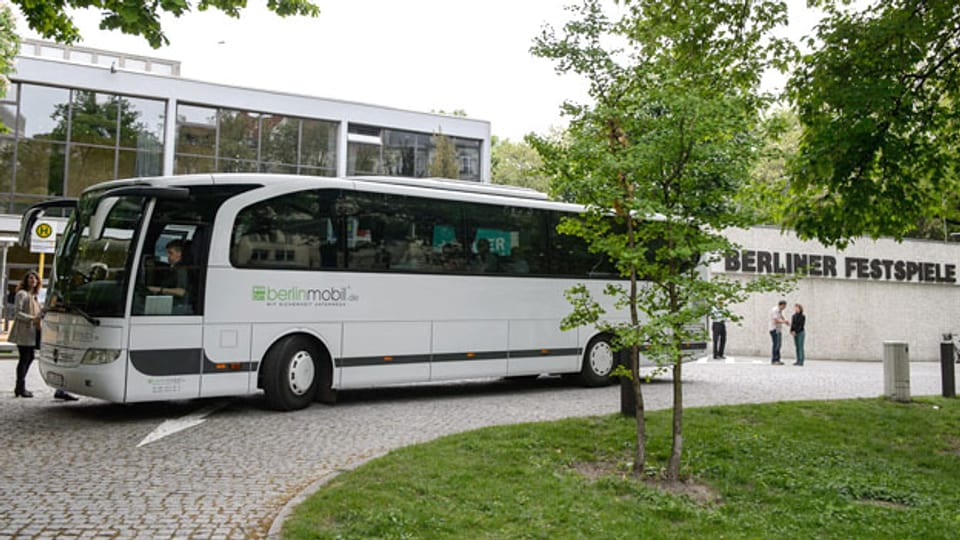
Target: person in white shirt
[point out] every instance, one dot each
(776, 334)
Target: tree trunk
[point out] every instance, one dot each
(676, 450)
(640, 457)
(628, 398)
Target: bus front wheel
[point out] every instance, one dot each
(291, 373)
(599, 359)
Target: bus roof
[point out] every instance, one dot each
(270, 179)
(456, 185)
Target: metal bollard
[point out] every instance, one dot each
(896, 370)
(946, 369)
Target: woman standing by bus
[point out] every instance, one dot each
(25, 332)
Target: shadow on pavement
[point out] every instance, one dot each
(104, 412)
(91, 409)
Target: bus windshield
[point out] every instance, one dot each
(92, 273)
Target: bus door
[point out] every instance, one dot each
(166, 326)
(173, 352)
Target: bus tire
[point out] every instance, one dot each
(599, 359)
(291, 373)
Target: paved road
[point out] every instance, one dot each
(75, 470)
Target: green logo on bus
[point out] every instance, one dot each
(259, 293)
(328, 296)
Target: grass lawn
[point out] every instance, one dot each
(837, 469)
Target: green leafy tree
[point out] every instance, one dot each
(766, 194)
(279, 140)
(516, 164)
(9, 46)
(95, 122)
(137, 17)
(878, 102)
(443, 162)
(656, 159)
(238, 140)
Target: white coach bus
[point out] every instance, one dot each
(215, 285)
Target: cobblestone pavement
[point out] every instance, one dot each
(74, 470)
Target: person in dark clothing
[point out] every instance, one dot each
(797, 323)
(719, 329)
(175, 279)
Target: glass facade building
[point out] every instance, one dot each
(78, 116)
(212, 139)
(62, 140)
(394, 152)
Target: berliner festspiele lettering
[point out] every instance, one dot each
(773, 262)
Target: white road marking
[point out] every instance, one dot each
(708, 360)
(169, 427)
(731, 360)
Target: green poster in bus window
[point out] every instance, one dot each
(501, 242)
(442, 235)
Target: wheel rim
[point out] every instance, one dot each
(300, 373)
(601, 358)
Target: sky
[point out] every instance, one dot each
(420, 55)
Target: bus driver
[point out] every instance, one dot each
(175, 279)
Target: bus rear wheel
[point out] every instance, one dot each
(291, 373)
(599, 359)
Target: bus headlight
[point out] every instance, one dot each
(100, 356)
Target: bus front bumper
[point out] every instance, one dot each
(105, 381)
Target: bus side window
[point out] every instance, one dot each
(293, 231)
(243, 252)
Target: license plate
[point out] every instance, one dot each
(54, 378)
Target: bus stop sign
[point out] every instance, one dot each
(43, 239)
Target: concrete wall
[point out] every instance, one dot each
(880, 291)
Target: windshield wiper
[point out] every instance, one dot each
(70, 308)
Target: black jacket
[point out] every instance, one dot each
(797, 322)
